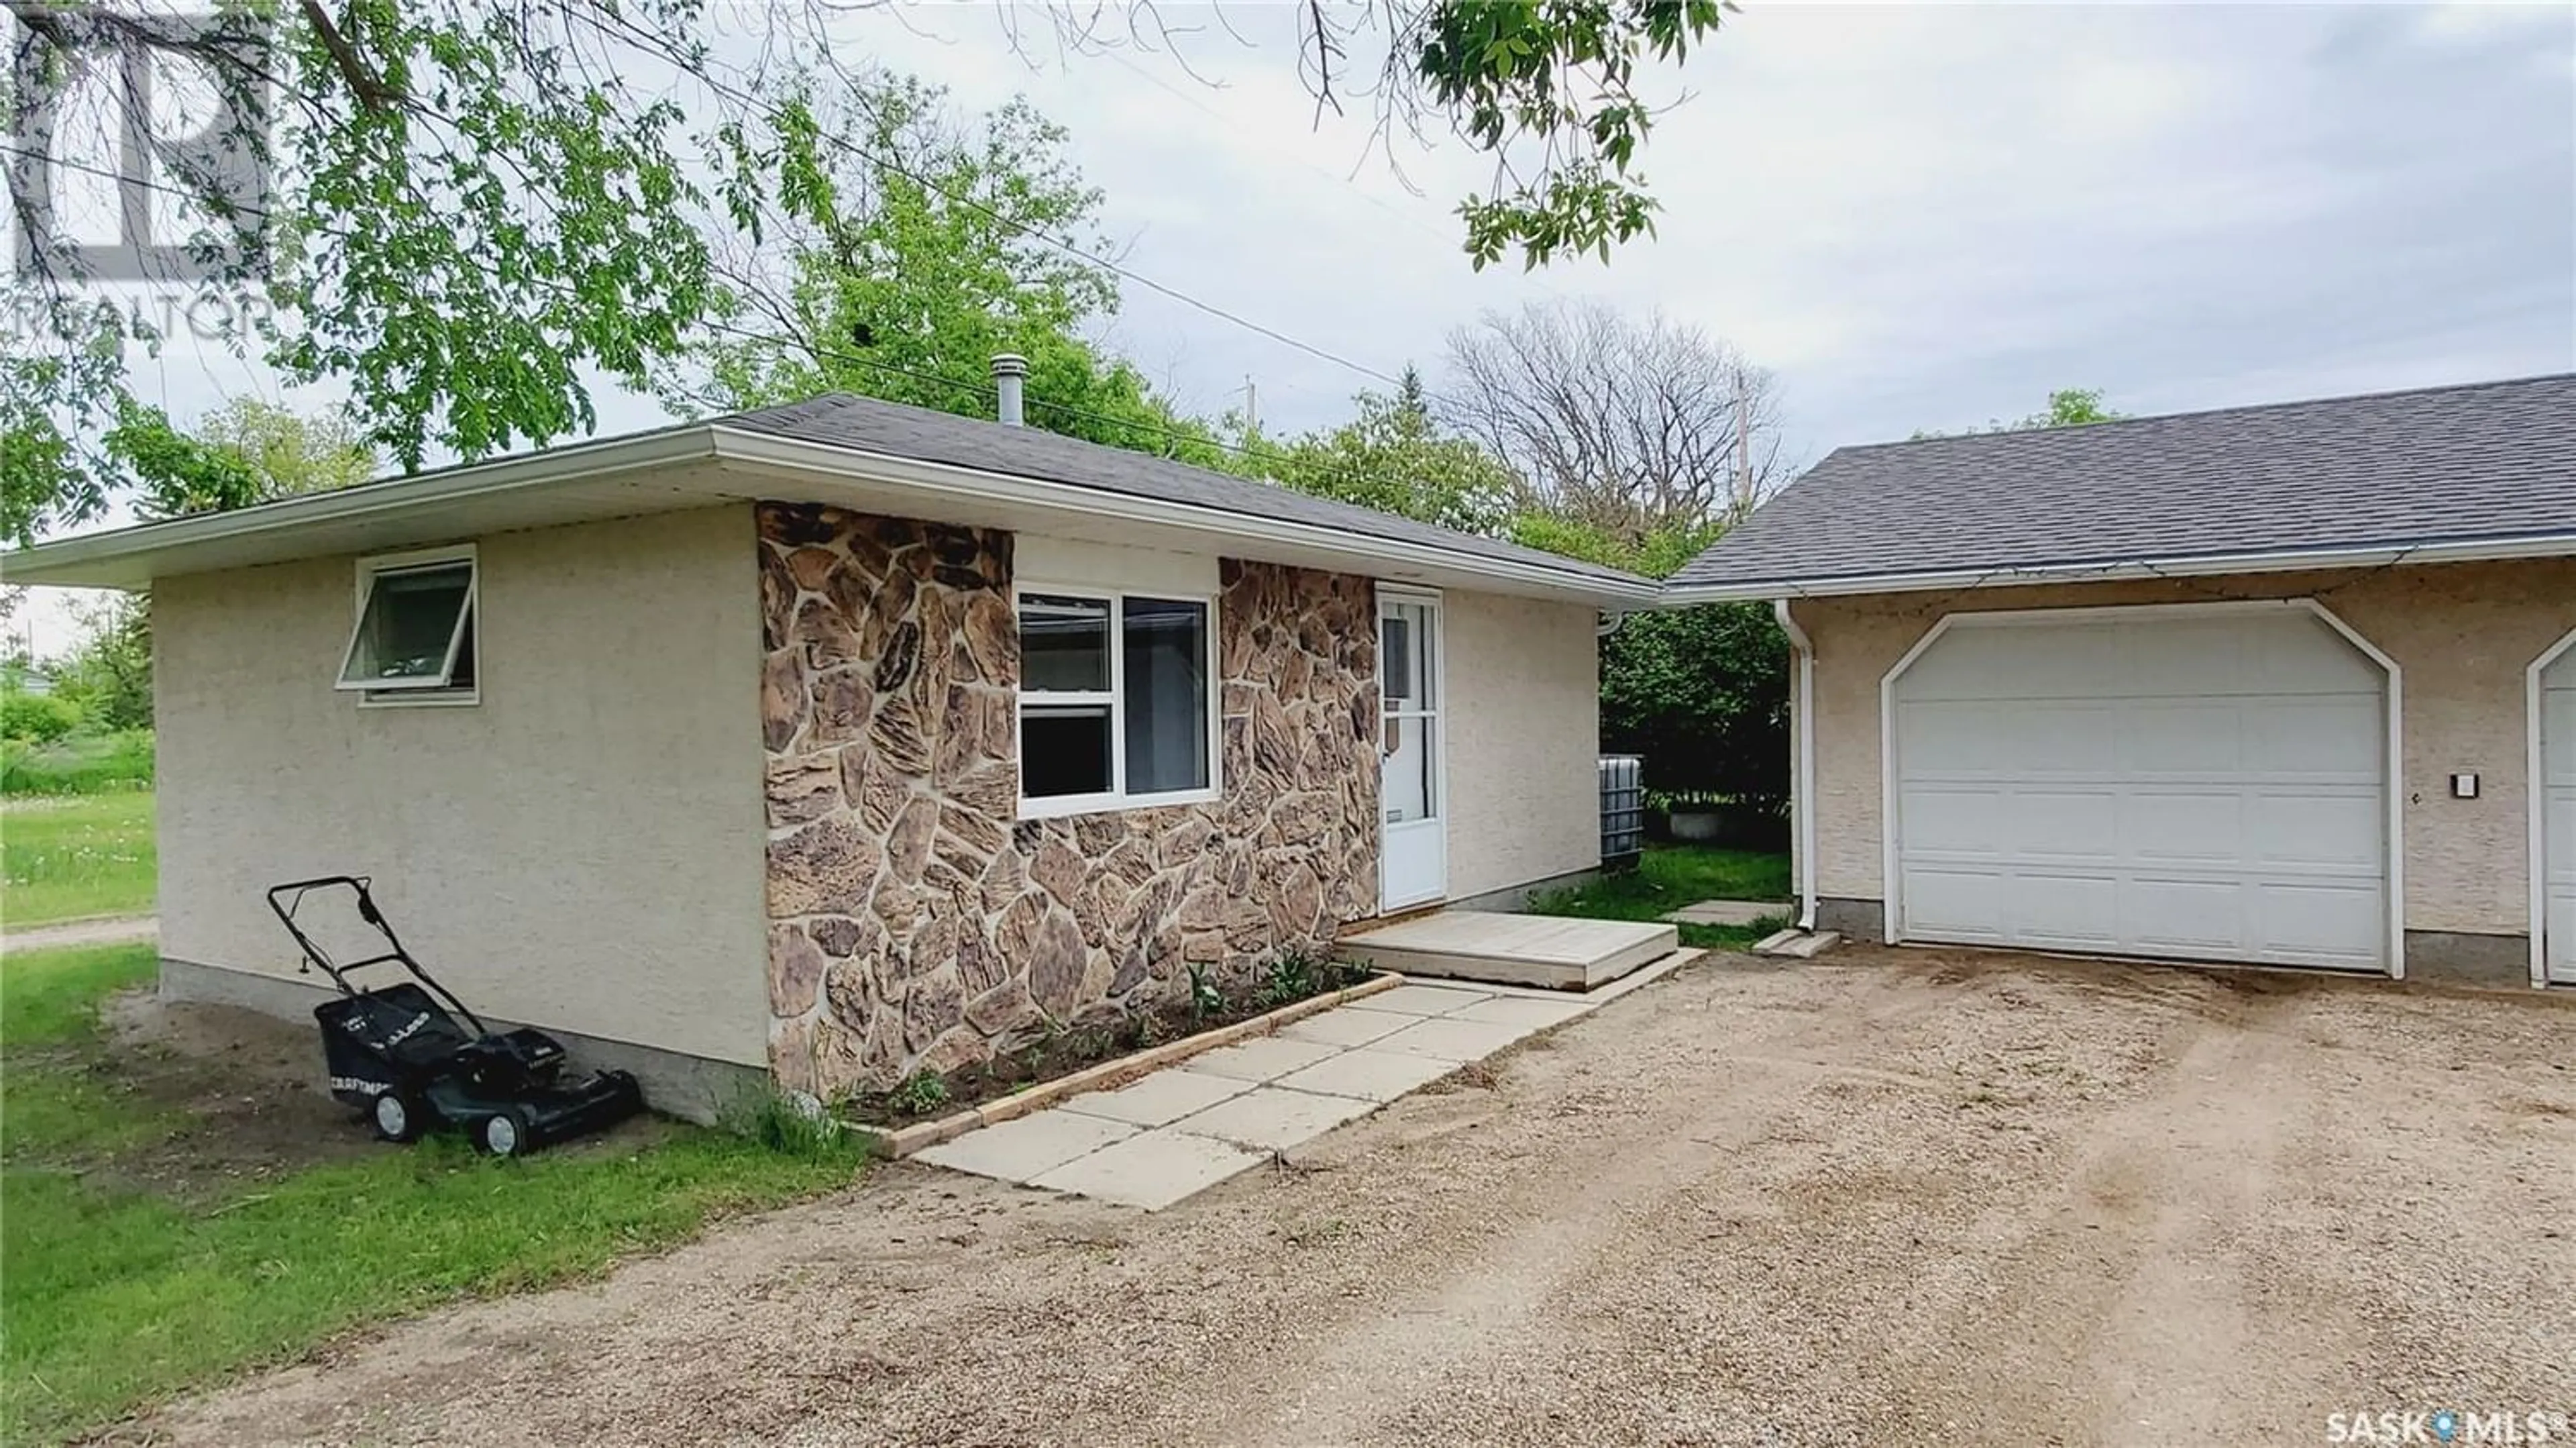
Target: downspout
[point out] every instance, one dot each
(1802, 790)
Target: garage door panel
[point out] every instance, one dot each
(2064, 911)
(1957, 904)
(2300, 653)
(2183, 738)
(2326, 923)
(2216, 791)
(2339, 737)
(1956, 820)
(2329, 832)
(2183, 660)
(2183, 916)
(2060, 824)
(1958, 739)
(1962, 666)
(2176, 825)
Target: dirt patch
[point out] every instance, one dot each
(1880, 1198)
(249, 1088)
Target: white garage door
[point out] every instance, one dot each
(2558, 815)
(2205, 784)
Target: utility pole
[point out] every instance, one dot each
(1743, 445)
(1251, 407)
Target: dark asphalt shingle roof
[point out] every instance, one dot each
(2444, 464)
(844, 420)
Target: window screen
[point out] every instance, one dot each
(414, 629)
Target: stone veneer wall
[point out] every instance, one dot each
(915, 922)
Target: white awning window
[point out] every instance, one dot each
(414, 636)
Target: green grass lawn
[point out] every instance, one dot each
(1672, 876)
(119, 1288)
(72, 856)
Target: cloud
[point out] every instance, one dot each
(1919, 216)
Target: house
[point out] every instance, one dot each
(842, 740)
(2291, 684)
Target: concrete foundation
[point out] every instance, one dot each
(2451, 957)
(1861, 922)
(692, 1088)
(1517, 897)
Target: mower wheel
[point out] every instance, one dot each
(508, 1132)
(397, 1116)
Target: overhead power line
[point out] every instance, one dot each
(979, 388)
(771, 114)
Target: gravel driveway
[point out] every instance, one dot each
(1883, 1198)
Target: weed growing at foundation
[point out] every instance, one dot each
(1293, 976)
(1207, 997)
(918, 1094)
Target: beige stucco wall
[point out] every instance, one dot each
(2462, 634)
(581, 850)
(1524, 730)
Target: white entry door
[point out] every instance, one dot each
(1414, 853)
(2558, 817)
(2200, 784)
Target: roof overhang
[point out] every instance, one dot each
(707, 464)
(2553, 545)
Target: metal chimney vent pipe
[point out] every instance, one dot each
(1010, 371)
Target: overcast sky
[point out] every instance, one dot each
(1925, 217)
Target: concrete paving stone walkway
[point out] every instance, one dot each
(1183, 1129)
(1731, 912)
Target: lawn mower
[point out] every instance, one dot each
(398, 1053)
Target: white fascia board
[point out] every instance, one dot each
(2555, 545)
(1217, 527)
(130, 557)
(94, 559)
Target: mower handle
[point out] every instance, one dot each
(293, 893)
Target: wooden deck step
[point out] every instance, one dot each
(1547, 951)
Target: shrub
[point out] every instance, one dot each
(36, 718)
(77, 764)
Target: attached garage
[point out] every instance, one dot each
(2199, 781)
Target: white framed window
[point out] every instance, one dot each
(413, 639)
(1118, 699)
